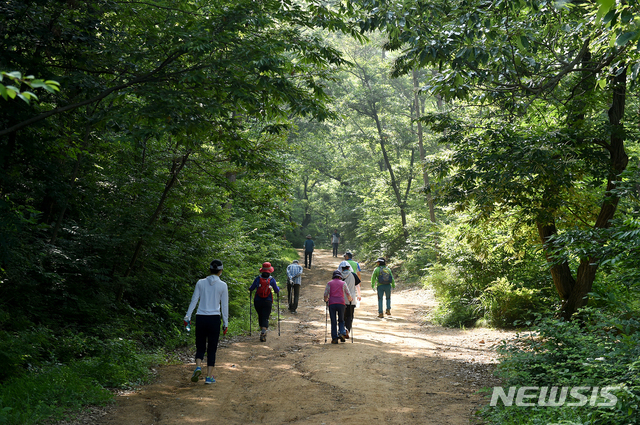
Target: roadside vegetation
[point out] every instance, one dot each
(488, 149)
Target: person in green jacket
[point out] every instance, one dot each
(383, 279)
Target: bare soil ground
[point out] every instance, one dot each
(396, 370)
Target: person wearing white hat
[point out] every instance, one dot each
(353, 283)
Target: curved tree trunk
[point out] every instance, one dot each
(574, 291)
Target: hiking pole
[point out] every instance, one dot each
(250, 313)
(278, 313)
(326, 317)
(353, 316)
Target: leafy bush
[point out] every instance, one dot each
(593, 350)
(52, 390)
(457, 298)
(504, 305)
(48, 394)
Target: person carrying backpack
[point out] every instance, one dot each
(263, 300)
(383, 279)
(353, 283)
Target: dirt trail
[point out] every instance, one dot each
(399, 370)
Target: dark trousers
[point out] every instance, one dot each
(263, 308)
(349, 310)
(207, 328)
(336, 314)
(308, 256)
(294, 295)
(335, 249)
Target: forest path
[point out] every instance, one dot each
(398, 370)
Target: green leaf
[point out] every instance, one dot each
(624, 38)
(605, 6)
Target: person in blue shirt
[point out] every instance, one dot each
(308, 251)
(263, 300)
(294, 275)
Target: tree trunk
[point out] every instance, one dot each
(574, 292)
(394, 183)
(177, 166)
(618, 163)
(425, 176)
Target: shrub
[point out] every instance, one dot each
(592, 350)
(504, 305)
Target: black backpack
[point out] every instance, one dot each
(384, 275)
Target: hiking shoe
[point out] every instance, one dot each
(388, 312)
(209, 380)
(380, 315)
(346, 335)
(334, 341)
(196, 374)
(342, 338)
(263, 337)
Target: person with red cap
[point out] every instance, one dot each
(263, 300)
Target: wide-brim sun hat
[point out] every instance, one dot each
(295, 261)
(380, 260)
(266, 267)
(337, 273)
(308, 236)
(344, 265)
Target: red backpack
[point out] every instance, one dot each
(264, 289)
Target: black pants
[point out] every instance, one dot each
(308, 255)
(294, 295)
(349, 310)
(335, 249)
(207, 328)
(263, 308)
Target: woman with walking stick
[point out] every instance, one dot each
(334, 295)
(263, 301)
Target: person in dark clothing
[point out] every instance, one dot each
(263, 300)
(335, 240)
(308, 251)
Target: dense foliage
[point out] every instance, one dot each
(487, 148)
(164, 148)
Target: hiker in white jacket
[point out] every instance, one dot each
(213, 309)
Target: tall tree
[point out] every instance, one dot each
(527, 62)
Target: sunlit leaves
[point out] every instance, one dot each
(13, 91)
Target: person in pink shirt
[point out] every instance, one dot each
(334, 295)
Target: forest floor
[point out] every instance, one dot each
(397, 370)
